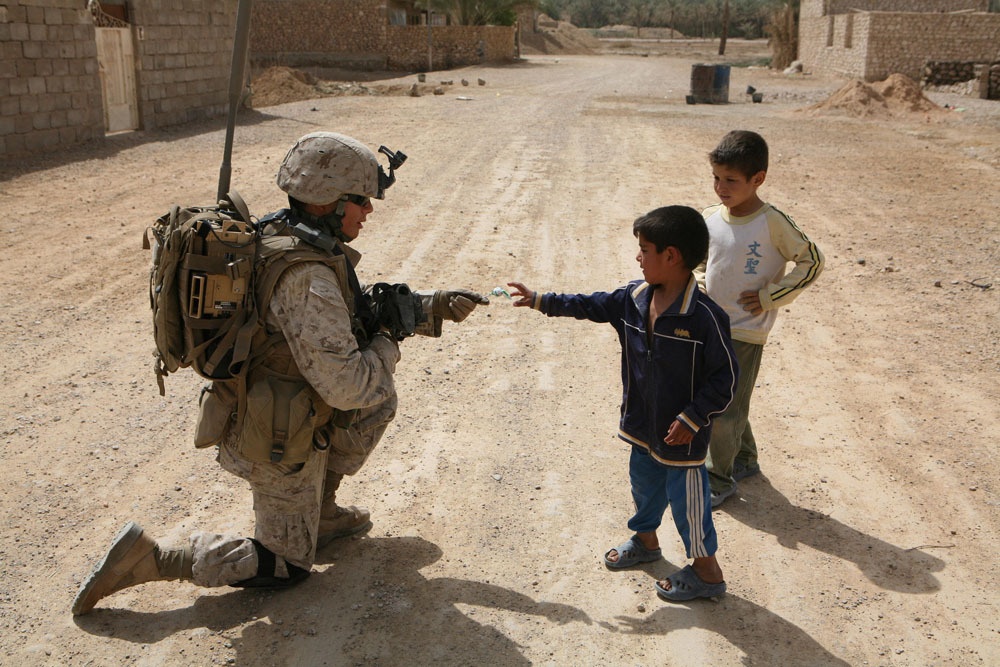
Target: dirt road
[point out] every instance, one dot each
(870, 539)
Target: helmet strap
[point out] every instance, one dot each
(330, 222)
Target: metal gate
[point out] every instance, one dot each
(116, 62)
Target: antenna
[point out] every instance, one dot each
(237, 79)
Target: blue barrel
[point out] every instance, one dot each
(720, 85)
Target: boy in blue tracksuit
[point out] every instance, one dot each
(678, 372)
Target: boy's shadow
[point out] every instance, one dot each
(765, 637)
(372, 603)
(885, 564)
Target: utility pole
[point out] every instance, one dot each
(430, 43)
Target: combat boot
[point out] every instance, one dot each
(134, 558)
(336, 521)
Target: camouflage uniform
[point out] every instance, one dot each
(310, 309)
(311, 373)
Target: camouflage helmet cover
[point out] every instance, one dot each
(322, 167)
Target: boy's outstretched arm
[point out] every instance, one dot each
(597, 307)
(522, 295)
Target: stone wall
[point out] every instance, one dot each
(184, 52)
(450, 46)
(873, 45)
(356, 34)
(971, 78)
(50, 90)
(323, 33)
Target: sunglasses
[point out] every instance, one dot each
(360, 200)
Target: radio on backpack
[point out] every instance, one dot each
(201, 288)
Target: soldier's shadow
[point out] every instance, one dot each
(372, 603)
(216, 612)
(394, 608)
(764, 508)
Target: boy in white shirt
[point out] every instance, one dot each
(750, 246)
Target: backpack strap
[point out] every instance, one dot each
(236, 199)
(277, 255)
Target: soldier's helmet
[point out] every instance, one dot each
(322, 167)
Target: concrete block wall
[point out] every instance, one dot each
(905, 42)
(814, 8)
(836, 44)
(871, 45)
(50, 90)
(451, 46)
(184, 57)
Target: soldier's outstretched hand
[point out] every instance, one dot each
(456, 305)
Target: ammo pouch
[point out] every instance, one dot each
(281, 415)
(217, 414)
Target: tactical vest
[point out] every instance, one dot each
(271, 411)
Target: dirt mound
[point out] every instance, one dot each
(554, 37)
(898, 94)
(903, 93)
(278, 85)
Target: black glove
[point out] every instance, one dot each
(397, 309)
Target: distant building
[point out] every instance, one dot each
(871, 39)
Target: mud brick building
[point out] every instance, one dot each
(871, 39)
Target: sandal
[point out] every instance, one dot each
(687, 585)
(632, 552)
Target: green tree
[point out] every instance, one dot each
(703, 18)
(641, 13)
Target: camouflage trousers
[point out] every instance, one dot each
(287, 502)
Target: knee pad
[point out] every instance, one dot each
(265, 577)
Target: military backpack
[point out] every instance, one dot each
(201, 289)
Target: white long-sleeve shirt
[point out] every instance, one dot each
(752, 253)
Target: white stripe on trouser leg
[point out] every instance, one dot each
(695, 495)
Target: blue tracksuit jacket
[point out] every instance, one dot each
(688, 372)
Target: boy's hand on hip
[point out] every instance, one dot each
(750, 301)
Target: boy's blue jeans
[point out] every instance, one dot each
(685, 490)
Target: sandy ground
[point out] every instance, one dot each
(870, 539)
